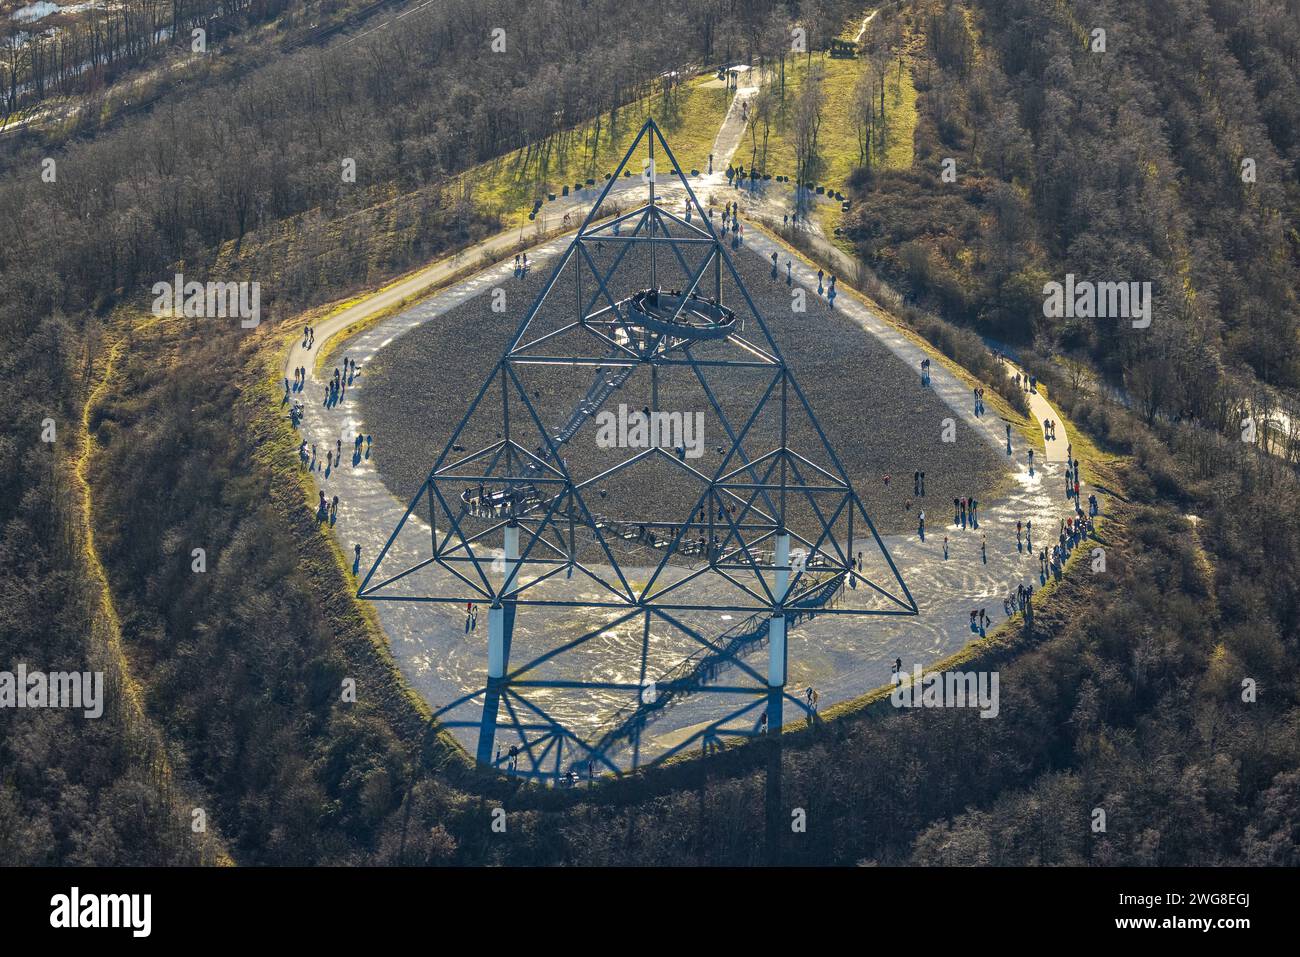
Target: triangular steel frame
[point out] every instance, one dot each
(525, 470)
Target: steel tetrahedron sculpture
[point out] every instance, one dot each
(641, 449)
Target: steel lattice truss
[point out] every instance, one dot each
(509, 518)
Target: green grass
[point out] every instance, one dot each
(837, 144)
(509, 185)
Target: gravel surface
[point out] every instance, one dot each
(876, 415)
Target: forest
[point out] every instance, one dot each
(1124, 693)
(1121, 165)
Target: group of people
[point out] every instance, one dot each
(512, 759)
(327, 510)
(299, 383)
(965, 511)
(730, 219)
(925, 373)
(825, 287)
(978, 393)
(339, 382)
(1026, 382)
(521, 265)
(1073, 531)
(1049, 430)
(308, 337)
(471, 616)
(1072, 487)
(1019, 600)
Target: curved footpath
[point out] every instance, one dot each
(841, 658)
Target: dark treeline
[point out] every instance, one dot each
(66, 54)
(1123, 165)
(73, 789)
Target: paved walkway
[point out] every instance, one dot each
(1056, 444)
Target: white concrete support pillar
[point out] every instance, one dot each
(498, 624)
(776, 627)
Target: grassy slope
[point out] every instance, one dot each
(508, 187)
(837, 142)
